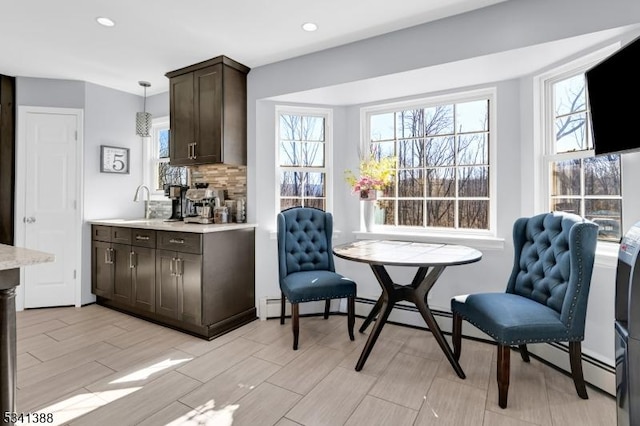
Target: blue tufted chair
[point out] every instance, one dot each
(306, 268)
(546, 296)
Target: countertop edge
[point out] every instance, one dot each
(161, 225)
(15, 257)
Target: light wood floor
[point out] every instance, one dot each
(95, 366)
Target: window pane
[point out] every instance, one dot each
(163, 143)
(569, 95)
(440, 182)
(290, 127)
(410, 213)
(289, 153)
(286, 203)
(382, 150)
(385, 212)
(382, 126)
(410, 123)
(312, 128)
(565, 178)
(440, 151)
(473, 149)
(168, 175)
(570, 205)
(411, 153)
(314, 185)
(472, 116)
(318, 203)
(473, 182)
(440, 213)
(312, 154)
(473, 214)
(608, 215)
(411, 183)
(439, 120)
(602, 175)
(571, 133)
(290, 184)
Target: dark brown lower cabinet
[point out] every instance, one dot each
(179, 285)
(203, 284)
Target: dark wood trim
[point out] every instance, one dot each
(575, 358)
(503, 374)
(7, 158)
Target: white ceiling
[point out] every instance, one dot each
(41, 38)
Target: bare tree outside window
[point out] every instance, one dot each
(585, 185)
(443, 171)
(302, 161)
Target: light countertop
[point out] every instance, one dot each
(14, 257)
(162, 225)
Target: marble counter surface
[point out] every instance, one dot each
(162, 225)
(14, 257)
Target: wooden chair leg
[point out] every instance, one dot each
(575, 358)
(282, 309)
(351, 316)
(295, 325)
(456, 336)
(503, 374)
(327, 304)
(524, 353)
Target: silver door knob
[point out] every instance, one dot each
(30, 219)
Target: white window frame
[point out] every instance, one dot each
(489, 93)
(150, 157)
(544, 149)
(327, 114)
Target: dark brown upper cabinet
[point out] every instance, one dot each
(208, 113)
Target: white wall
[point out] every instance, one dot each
(505, 26)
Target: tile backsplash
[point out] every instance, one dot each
(222, 177)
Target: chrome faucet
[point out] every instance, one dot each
(136, 198)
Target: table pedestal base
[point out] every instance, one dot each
(416, 292)
(9, 280)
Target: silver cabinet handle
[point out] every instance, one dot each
(108, 255)
(171, 267)
(176, 241)
(179, 267)
(194, 151)
(142, 238)
(132, 259)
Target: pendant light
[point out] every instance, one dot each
(143, 119)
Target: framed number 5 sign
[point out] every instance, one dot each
(114, 159)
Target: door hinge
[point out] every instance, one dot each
(76, 135)
(74, 274)
(75, 204)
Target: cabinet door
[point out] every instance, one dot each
(101, 269)
(190, 288)
(181, 117)
(121, 256)
(143, 278)
(207, 91)
(166, 284)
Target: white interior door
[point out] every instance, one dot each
(50, 207)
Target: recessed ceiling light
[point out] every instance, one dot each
(105, 21)
(309, 26)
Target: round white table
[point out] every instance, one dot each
(430, 259)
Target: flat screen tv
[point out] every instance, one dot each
(614, 89)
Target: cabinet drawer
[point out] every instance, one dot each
(101, 233)
(185, 242)
(143, 238)
(121, 235)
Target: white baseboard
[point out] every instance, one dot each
(595, 372)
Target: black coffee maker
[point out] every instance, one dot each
(176, 193)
